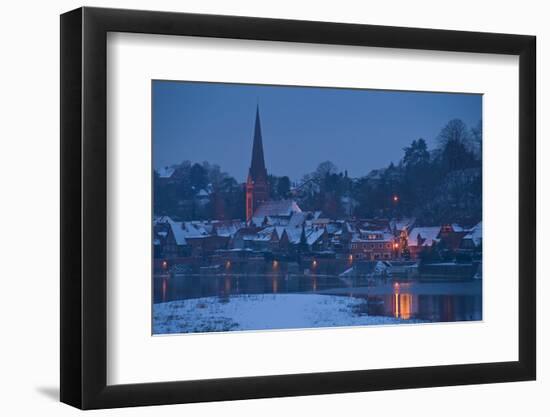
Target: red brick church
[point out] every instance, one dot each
(257, 187)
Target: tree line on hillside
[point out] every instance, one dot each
(203, 191)
(436, 186)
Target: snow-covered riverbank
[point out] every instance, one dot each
(261, 312)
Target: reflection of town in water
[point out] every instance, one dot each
(433, 301)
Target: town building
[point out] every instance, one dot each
(373, 245)
(257, 187)
(421, 239)
(472, 240)
(278, 212)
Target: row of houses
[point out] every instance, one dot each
(281, 227)
(451, 237)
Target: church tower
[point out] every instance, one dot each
(257, 189)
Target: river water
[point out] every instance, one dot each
(441, 301)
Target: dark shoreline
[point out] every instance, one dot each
(471, 287)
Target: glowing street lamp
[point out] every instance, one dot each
(395, 199)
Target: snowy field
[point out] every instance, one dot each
(262, 312)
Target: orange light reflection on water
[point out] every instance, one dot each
(402, 304)
(164, 289)
(275, 284)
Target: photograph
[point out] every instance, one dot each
(259, 205)
(292, 207)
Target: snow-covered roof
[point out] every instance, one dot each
(166, 172)
(279, 230)
(334, 228)
(297, 219)
(475, 234)
(257, 221)
(348, 227)
(457, 228)
(228, 230)
(277, 220)
(401, 224)
(258, 238)
(293, 234)
(428, 234)
(186, 230)
(203, 193)
(204, 227)
(277, 208)
(195, 229)
(265, 234)
(176, 229)
(314, 235)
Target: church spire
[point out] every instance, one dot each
(257, 166)
(257, 187)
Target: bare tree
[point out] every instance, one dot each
(455, 131)
(324, 169)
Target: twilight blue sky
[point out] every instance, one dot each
(358, 130)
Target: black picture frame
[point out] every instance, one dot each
(84, 207)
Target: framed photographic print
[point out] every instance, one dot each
(258, 207)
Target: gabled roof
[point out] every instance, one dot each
(348, 227)
(165, 172)
(203, 193)
(277, 208)
(294, 234)
(428, 234)
(195, 229)
(297, 219)
(457, 228)
(257, 221)
(314, 235)
(475, 234)
(228, 230)
(186, 230)
(176, 227)
(280, 230)
(263, 235)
